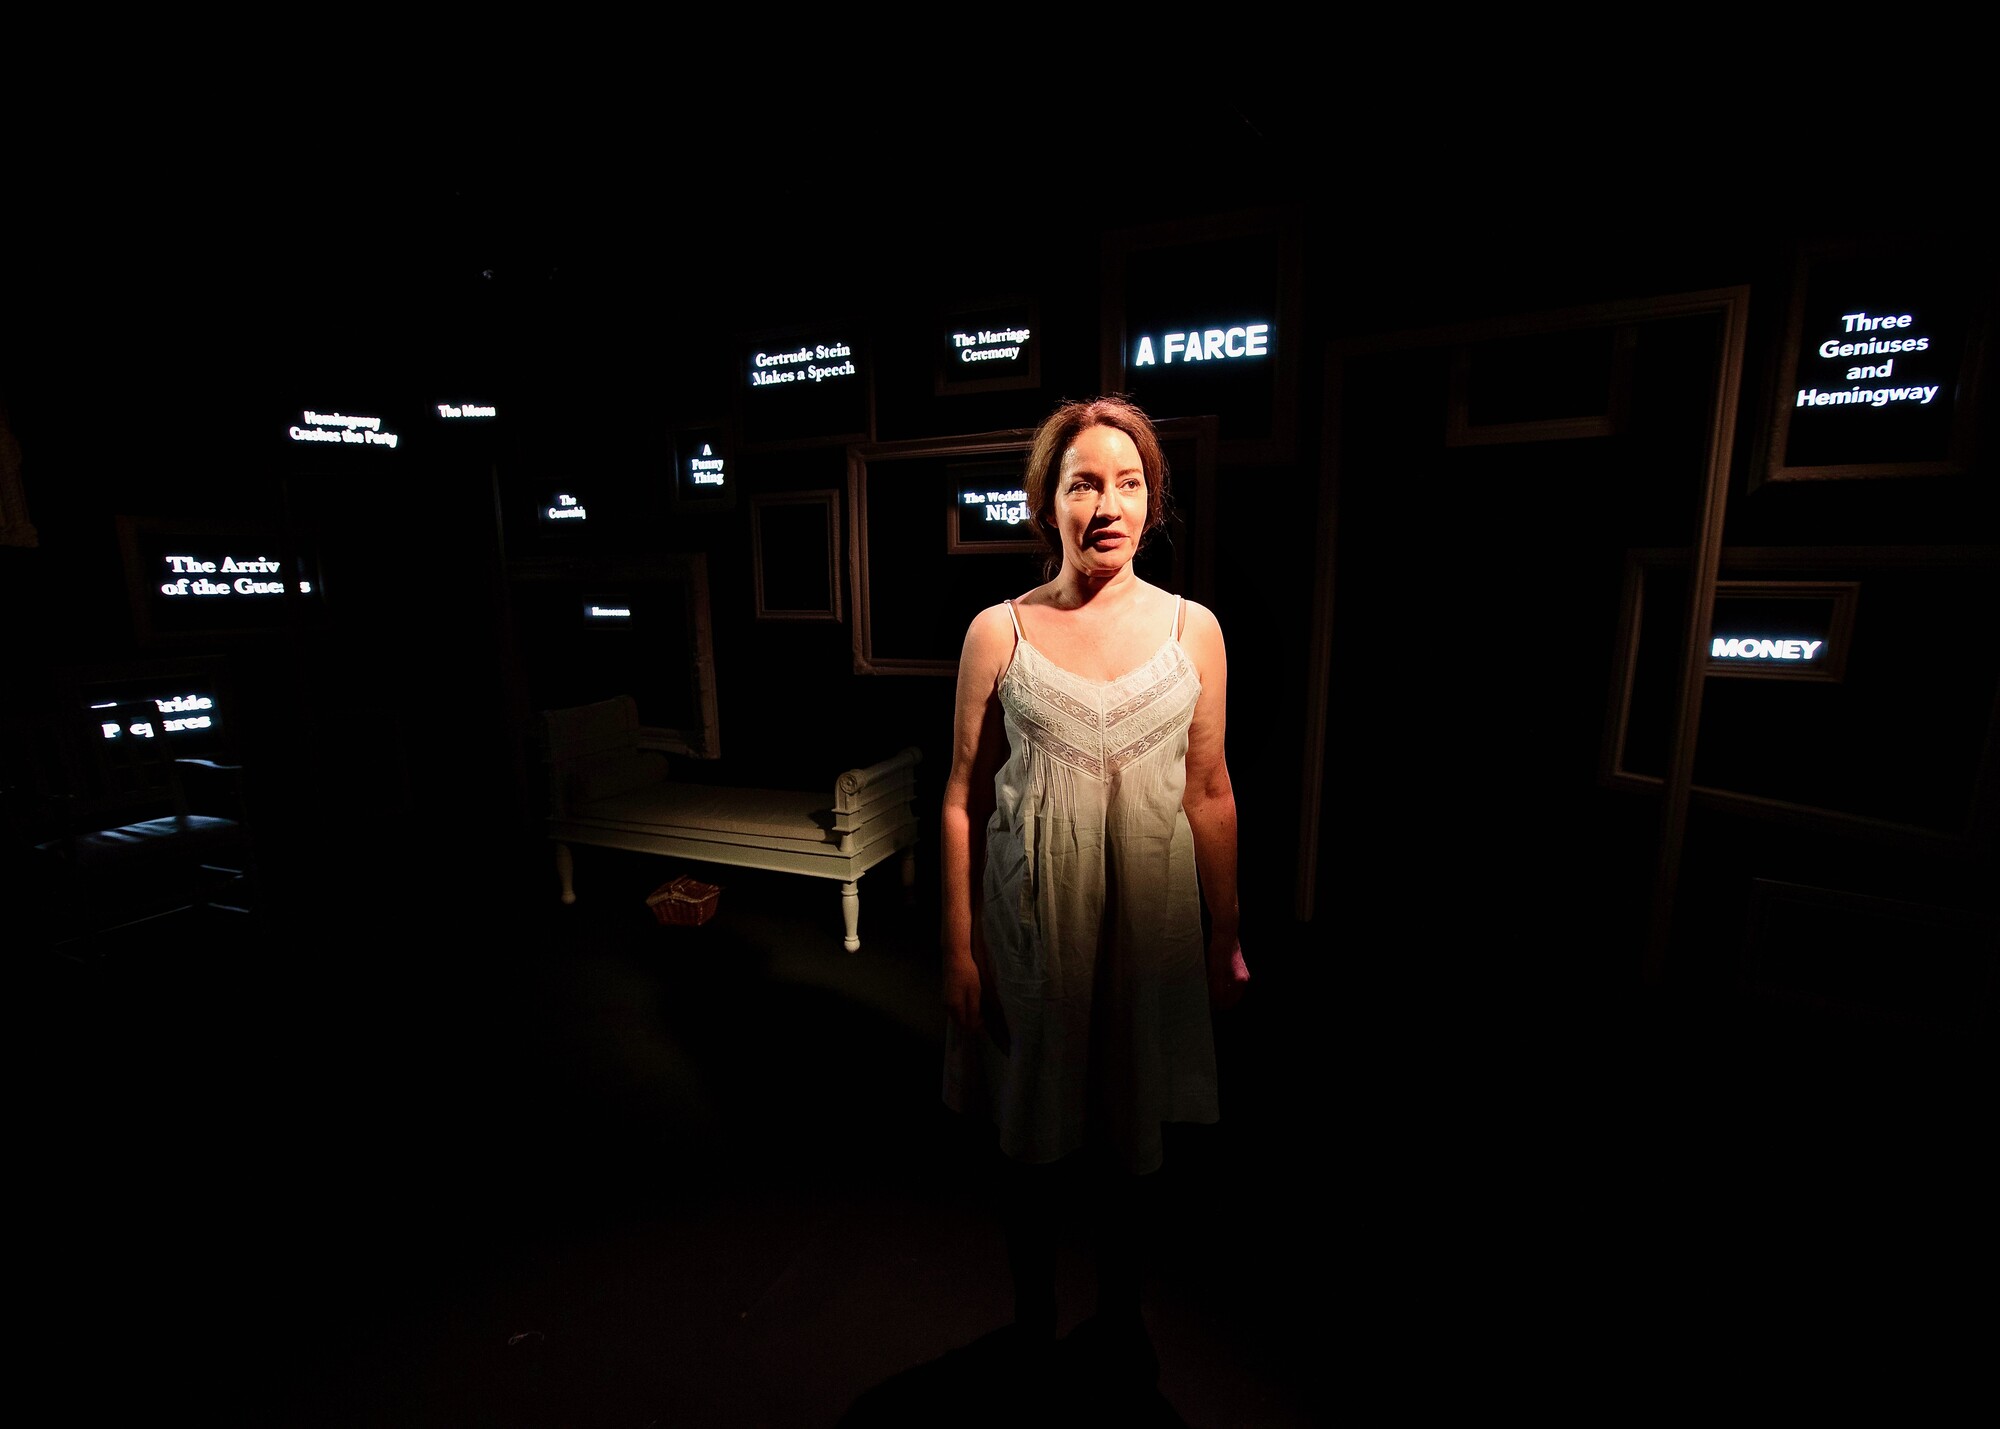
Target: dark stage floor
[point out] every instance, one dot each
(564, 1166)
(526, 1165)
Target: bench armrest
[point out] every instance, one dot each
(665, 741)
(851, 790)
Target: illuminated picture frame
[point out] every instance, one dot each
(1210, 254)
(1642, 568)
(783, 399)
(701, 452)
(617, 508)
(972, 342)
(1782, 664)
(81, 687)
(1865, 306)
(554, 499)
(143, 543)
(1956, 796)
(992, 482)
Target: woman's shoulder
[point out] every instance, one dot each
(995, 617)
(1201, 637)
(991, 631)
(1200, 617)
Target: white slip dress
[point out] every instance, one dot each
(1092, 917)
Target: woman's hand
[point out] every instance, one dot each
(1228, 974)
(961, 990)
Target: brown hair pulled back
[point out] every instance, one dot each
(1055, 436)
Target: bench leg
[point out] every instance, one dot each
(909, 874)
(566, 871)
(850, 913)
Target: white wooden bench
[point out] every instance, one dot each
(610, 787)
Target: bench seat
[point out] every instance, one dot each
(610, 791)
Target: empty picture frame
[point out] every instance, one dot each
(795, 554)
(1551, 384)
(1645, 671)
(1868, 959)
(912, 600)
(913, 596)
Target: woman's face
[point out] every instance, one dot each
(1100, 501)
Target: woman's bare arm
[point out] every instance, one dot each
(1210, 804)
(978, 748)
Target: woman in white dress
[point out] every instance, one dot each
(1088, 817)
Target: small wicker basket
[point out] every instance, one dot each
(684, 903)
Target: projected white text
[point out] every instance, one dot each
(1834, 349)
(1008, 506)
(1215, 344)
(990, 346)
(770, 369)
(255, 576)
(1726, 648)
(342, 429)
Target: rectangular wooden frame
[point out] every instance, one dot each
(1461, 431)
(1611, 770)
(704, 739)
(1845, 594)
(828, 500)
(1729, 307)
(1613, 774)
(859, 461)
(1965, 1016)
(956, 545)
(1194, 560)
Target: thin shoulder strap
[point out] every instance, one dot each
(1180, 605)
(1019, 638)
